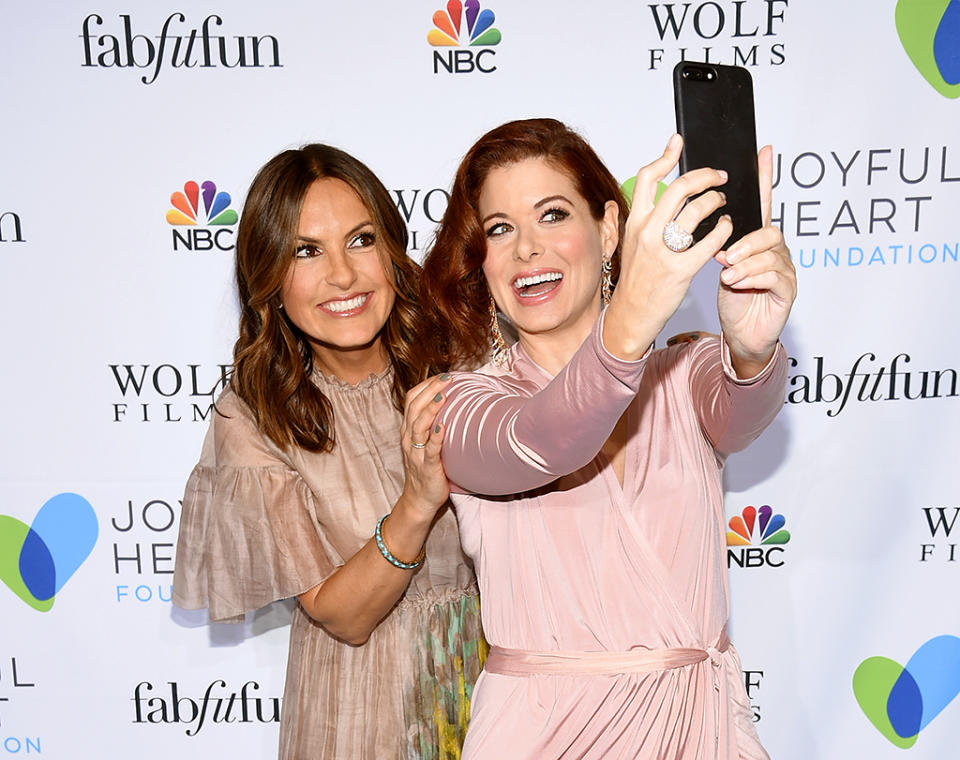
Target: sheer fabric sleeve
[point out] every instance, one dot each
(507, 435)
(248, 528)
(732, 412)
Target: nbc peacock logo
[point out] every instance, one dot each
(459, 29)
(196, 209)
(929, 31)
(756, 538)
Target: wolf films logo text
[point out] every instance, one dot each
(465, 36)
(143, 549)
(176, 45)
(167, 393)
(752, 680)
(12, 680)
(201, 218)
(421, 208)
(941, 522)
(737, 33)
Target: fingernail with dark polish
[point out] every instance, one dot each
(436, 429)
(438, 398)
(445, 376)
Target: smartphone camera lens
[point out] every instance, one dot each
(698, 74)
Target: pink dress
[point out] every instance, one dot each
(605, 606)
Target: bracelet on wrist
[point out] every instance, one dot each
(378, 536)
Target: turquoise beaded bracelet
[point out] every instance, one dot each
(378, 535)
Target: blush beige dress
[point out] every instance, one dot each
(605, 605)
(261, 524)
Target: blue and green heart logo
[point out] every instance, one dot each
(37, 559)
(901, 700)
(929, 31)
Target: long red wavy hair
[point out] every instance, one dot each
(453, 291)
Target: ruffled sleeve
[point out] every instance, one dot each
(248, 529)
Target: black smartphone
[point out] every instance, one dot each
(715, 117)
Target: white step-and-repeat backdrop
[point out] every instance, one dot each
(130, 133)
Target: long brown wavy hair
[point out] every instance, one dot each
(454, 293)
(272, 357)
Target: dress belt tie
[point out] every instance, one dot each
(526, 662)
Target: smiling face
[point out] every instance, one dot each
(337, 290)
(544, 250)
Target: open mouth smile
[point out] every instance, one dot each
(347, 306)
(535, 287)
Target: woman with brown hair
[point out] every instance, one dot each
(320, 476)
(586, 467)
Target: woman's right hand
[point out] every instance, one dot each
(425, 487)
(654, 279)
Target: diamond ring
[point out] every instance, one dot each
(417, 445)
(676, 238)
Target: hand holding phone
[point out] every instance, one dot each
(715, 117)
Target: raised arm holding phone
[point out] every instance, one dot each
(586, 468)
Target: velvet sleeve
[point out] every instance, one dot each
(509, 434)
(732, 412)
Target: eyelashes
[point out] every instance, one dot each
(549, 216)
(555, 214)
(306, 251)
(361, 240)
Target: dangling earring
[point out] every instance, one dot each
(606, 280)
(498, 344)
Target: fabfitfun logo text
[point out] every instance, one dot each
(179, 47)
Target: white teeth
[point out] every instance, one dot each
(339, 306)
(536, 279)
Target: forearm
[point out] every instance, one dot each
(747, 366)
(737, 402)
(353, 600)
(502, 439)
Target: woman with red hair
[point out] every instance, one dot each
(586, 467)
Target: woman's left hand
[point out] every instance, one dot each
(758, 286)
(425, 487)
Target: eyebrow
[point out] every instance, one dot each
(354, 231)
(538, 204)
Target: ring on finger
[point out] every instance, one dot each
(417, 445)
(676, 238)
